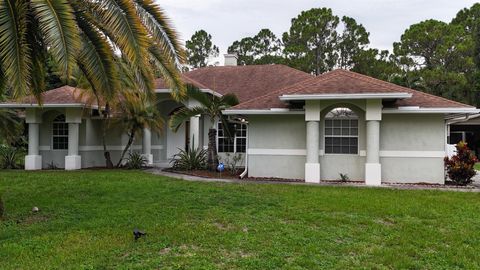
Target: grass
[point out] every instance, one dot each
(477, 166)
(86, 220)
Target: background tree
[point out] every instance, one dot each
(311, 41)
(351, 42)
(438, 57)
(375, 63)
(200, 48)
(264, 48)
(211, 106)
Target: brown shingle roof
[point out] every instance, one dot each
(347, 82)
(160, 83)
(62, 95)
(247, 82)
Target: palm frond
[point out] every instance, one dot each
(169, 72)
(97, 60)
(195, 93)
(14, 50)
(121, 23)
(182, 115)
(161, 30)
(57, 23)
(229, 99)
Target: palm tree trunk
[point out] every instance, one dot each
(212, 158)
(106, 153)
(130, 141)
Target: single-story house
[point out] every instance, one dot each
(289, 124)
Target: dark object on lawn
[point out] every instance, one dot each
(137, 233)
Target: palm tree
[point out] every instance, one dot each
(88, 35)
(212, 107)
(136, 115)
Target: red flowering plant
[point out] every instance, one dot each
(460, 167)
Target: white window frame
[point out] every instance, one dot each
(56, 122)
(235, 137)
(341, 136)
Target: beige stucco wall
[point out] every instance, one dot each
(411, 148)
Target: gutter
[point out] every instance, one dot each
(245, 171)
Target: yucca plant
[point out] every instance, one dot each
(9, 157)
(135, 161)
(193, 159)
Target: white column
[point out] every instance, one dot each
(147, 146)
(194, 135)
(373, 168)
(33, 161)
(73, 161)
(312, 164)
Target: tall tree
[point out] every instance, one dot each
(375, 63)
(351, 42)
(311, 41)
(264, 48)
(245, 50)
(437, 56)
(212, 107)
(200, 48)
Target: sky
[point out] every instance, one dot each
(230, 20)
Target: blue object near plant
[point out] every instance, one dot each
(221, 167)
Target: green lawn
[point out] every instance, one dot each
(477, 166)
(87, 217)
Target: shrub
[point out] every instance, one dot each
(9, 157)
(460, 168)
(344, 177)
(232, 162)
(194, 159)
(135, 161)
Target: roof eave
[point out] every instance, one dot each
(262, 111)
(445, 110)
(295, 97)
(53, 105)
(205, 90)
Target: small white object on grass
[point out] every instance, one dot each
(35, 209)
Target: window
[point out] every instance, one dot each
(234, 144)
(341, 132)
(60, 133)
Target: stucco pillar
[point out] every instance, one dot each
(73, 161)
(33, 161)
(194, 135)
(373, 168)
(147, 146)
(312, 164)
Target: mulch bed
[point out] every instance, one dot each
(227, 175)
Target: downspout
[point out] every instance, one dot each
(245, 171)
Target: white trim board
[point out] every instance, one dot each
(345, 96)
(413, 154)
(100, 147)
(362, 153)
